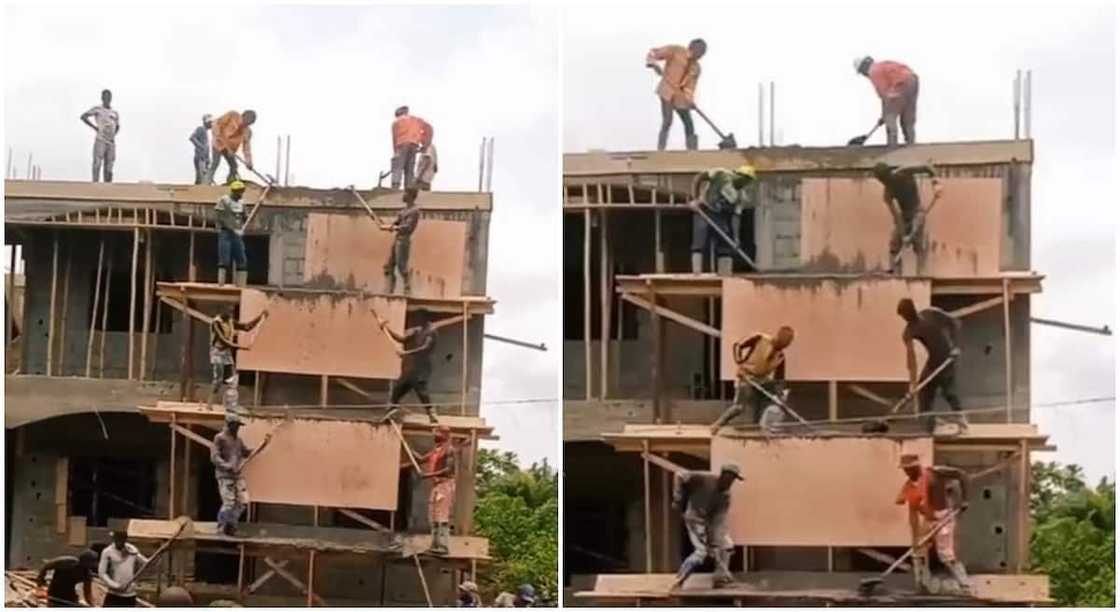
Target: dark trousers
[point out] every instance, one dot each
(404, 165)
(667, 122)
(117, 601)
(703, 234)
(231, 161)
(398, 261)
(231, 250)
(415, 382)
(946, 381)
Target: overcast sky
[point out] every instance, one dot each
(330, 77)
(966, 58)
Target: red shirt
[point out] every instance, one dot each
(890, 78)
(915, 493)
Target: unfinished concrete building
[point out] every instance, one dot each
(647, 368)
(106, 424)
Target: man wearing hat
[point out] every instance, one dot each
(410, 134)
(223, 343)
(439, 465)
(228, 454)
(706, 498)
(897, 86)
(931, 496)
(723, 194)
(468, 595)
(201, 141)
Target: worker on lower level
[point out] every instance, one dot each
(229, 455)
(721, 196)
(402, 227)
(677, 89)
(120, 563)
(903, 200)
(439, 468)
(415, 347)
(706, 499)
(525, 598)
(230, 217)
(929, 498)
(223, 343)
(940, 334)
(897, 87)
(760, 360)
(468, 595)
(67, 572)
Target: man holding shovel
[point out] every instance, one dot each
(761, 360)
(900, 194)
(926, 492)
(706, 499)
(939, 333)
(231, 132)
(223, 342)
(677, 87)
(229, 456)
(897, 87)
(724, 194)
(120, 562)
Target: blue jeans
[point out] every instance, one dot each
(231, 247)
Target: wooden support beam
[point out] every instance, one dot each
(833, 400)
(1002, 465)
(867, 393)
(132, 299)
(259, 582)
(1024, 505)
(50, 316)
(463, 391)
(191, 435)
(96, 303)
(587, 294)
(148, 288)
(324, 393)
(183, 308)
(882, 558)
(184, 347)
(604, 303)
(64, 314)
(977, 307)
(448, 321)
(105, 317)
(11, 312)
(311, 578)
(1007, 346)
(645, 494)
(350, 385)
(365, 520)
(660, 462)
(292, 580)
(423, 581)
(185, 499)
(192, 269)
(241, 573)
(656, 357)
(672, 315)
(171, 480)
(666, 509)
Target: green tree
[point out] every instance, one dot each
(518, 511)
(1074, 535)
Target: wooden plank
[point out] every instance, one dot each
(1007, 357)
(64, 316)
(192, 435)
(655, 358)
(977, 307)
(105, 317)
(147, 303)
(61, 493)
(833, 401)
(672, 315)
(76, 534)
(347, 384)
(867, 393)
(96, 303)
(604, 302)
(423, 581)
(647, 523)
(1024, 518)
(662, 462)
(365, 520)
(466, 359)
(586, 296)
(172, 476)
(292, 580)
(312, 598)
(132, 299)
(50, 316)
(187, 310)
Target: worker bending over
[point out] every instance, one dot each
(229, 456)
(67, 572)
(706, 498)
(940, 334)
(677, 89)
(415, 347)
(410, 135)
(200, 139)
(231, 132)
(105, 142)
(901, 195)
(897, 87)
(929, 495)
(723, 194)
(402, 227)
(230, 216)
(439, 464)
(120, 562)
(223, 343)
(761, 360)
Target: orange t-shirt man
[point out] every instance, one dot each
(679, 77)
(410, 129)
(890, 78)
(231, 132)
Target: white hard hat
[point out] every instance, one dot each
(857, 62)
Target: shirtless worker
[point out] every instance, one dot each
(439, 464)
(415, 347)
(928, 494)
(706, 499)
(900, 194)
(761, 359)
(229, 454)
(677, 89)
(223, 343)
(402, 227)
(67, 573)
(940, 334)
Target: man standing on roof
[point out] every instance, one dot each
(929, 494)
(230, 217)
(119, 564)
(940, 334)
(723, 194)
(761, 360)
(410, 134)
(415, 347)
(427, 168)
(68, 573)
(201, 140)
(231, 132)
(900, 193)
(402, 227)
(105, 143)
(229, 454)
(439, 466)
(897, 87)
(223, 342)
(706, 498)
(677, 89)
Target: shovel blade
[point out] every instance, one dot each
(857, 141)
(728, 142)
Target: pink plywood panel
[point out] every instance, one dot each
(323, 463)
(351, 250)
(818, 491)
(317, 334)
(843, 329)
(845, 226)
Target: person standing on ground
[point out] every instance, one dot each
(410, 134)
(67, 573)
(223, 343)
(940, 334)
(901, 195)
(105, 143)
(468, 595)
(723, 194)
(761, 359)
(402, 227)
(427, 168)
(706, 499)
(229, 213)
(677, 89)
(120, 561)
(200, 138)
(928, 495)
(525, 598)
(897, 87)
(415, 347)
(440, 464)
(229, 454)
(231, 132)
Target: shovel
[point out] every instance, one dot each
(859, 140)
(184, 523)
(867, 585)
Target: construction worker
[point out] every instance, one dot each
(939, 332)
(897, 87)
(761, 360)
(410, 134)
(223, 343)
(105, 143)
(231, 132)
(228, 454)
(525, 598)
(900, 194)
(677, 88)
(439, 464)
(468, 595)
(721, 195)
(67, 573)
(201, 140)
(230, 217)
(120, 562)
(402, 227)
(706, 499)
(929, 494)
(175, 597)
(427, 168)
(415, 347)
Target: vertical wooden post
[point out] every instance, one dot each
(11, 313)
(190, 354)
(96, 303)
(184, 346)
(604, 303)
(192, 269)
(645, 495)
(666, 510)
(311, 579)
(1007, 346)
(155, 330)
(1024, 506)
(656, 357)
(257, 388)
(658, 256)
(105, 317)
(324, 382)
(463, 389)
(64, 314)
(132, 298)
(147, 304)
(241, 573)
(587, 293)
(50, 317)
(171, 480)
(833, 400)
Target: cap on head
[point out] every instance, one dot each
(207, 118)
(909, 461)
(468, 586)
(232, 418)
(747, 170)
(401, 110)
(527, 592)
(236, 186)
(731, 468)
(881, 170)
(862, 64)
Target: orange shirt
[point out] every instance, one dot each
(411, 129)
(230, 134)
(915, 493)
(678, 77)
(890, 78)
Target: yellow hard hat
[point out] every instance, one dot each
(747, 170)
(237, 186)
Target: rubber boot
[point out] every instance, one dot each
(431, 415)
(440, 535)
(390, 283)
(240, 277)
(697, 263)
(723, 266)
(722, 578)
(692, 142)
(221, 276)
(956, 568)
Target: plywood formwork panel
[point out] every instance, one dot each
(846, 227)
(343, 464)
(844, 329)
(351, 250)
(818, 492)
(319, 334)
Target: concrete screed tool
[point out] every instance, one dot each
(867, 585)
